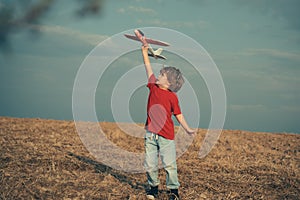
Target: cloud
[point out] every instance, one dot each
(273, 53)
(287, 10)
(289, 108)
(260, 107)
(174, 24)
(134, 9)
(91, 39)
(257, 107)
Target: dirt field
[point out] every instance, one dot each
(45, 159)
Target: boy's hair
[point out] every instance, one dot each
(174, 76)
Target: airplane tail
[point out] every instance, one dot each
(158, 51)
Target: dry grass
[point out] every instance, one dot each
(45, 159)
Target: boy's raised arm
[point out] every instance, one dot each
(147, 61)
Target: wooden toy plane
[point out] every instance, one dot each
(139, 36)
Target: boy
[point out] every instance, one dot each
(159, 139)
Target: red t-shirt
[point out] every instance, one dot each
(161, 105)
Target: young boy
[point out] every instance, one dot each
(159, 139)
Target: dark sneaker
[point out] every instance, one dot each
(174, 194)
(152, 193)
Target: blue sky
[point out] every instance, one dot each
(255, 45)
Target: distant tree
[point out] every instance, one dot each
(17, 15)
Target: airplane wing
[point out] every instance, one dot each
(133, 37)
(157, 56)
(148, 40)
(156, 42)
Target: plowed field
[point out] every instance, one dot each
(45, 159)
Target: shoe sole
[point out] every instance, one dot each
(151, 197)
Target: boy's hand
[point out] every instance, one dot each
(191, 132)
(145, 49)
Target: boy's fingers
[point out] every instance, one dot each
(192, 132)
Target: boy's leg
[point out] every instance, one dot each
(168, 156)
(151, 159)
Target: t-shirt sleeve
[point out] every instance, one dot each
(175, 106)
(151, 81)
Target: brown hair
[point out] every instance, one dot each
(174, 76)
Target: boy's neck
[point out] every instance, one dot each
(163, 87)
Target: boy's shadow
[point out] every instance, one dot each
(100, 168)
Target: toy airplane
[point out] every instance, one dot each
(139, 36)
